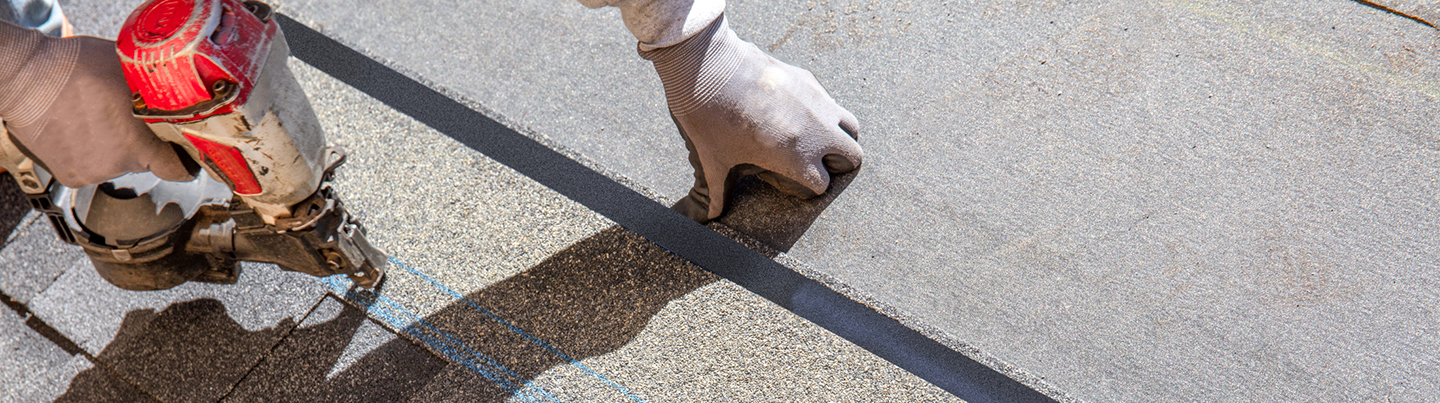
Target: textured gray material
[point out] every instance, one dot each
(25, 274)
(24, 234)
(626, 308)
(337, 354)
(491, 233)
(26, 358)
(88, 383)
(1172, 200)
(98, 18)
(195, 344)
(203, 336)
(13, 209)
(1427, 11)
(528, 81)
(33, 369)
(638, 317)
(93, 313)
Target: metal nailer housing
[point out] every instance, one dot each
(211, 77)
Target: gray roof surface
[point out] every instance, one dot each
(1156, 201)
(1168, 200)
(630, 318)
(633, 319)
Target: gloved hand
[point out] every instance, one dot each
(66, 103)
(743, 112)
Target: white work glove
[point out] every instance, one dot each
(66, 103)
(743, 112)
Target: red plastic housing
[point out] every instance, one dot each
(175, 51)
(229, 161)
(179, 56)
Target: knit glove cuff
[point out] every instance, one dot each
(694, 71)
(33, 70)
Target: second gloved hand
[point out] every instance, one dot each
(743, 112)
(65, 101)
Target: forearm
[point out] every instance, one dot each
(662, 23)
(32, 69)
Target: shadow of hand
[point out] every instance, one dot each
(774, 218)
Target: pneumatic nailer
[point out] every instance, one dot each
(211, 77)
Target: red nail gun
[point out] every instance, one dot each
(211, 77)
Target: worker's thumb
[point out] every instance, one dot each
(169, 167)
(166, 160)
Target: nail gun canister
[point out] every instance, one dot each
(211, 76)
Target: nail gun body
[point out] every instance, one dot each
(211, 77)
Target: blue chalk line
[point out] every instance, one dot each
(445, 348)
(536, 340)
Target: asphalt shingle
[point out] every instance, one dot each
(24, 234)
(339, 354)
(26, 359)
(203, 336)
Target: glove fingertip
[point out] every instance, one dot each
(692, 208)
(718, 185)
(849, 124)
(716, 209)
(839, 164)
